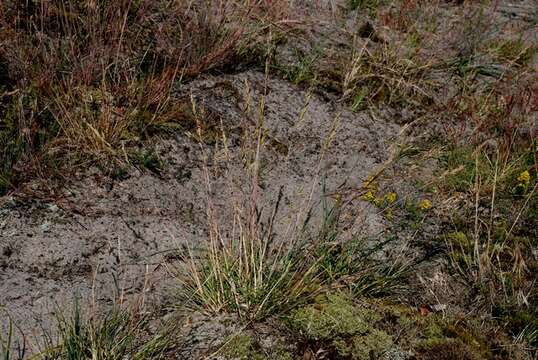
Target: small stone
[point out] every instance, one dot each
(439, 307)
(45, 227)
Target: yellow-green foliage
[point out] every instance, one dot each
(242, 346)
(433, 349)
(375, 343)
(459, 238)
(346, 327)
(333, 315)
(432, 335)
(237, 347)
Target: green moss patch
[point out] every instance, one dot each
(346, 330)
(243, 346)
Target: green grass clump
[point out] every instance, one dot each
(514, 51)
(257, 275)
(113, 335)
(80, 81)
(303, 71)
(109, 338)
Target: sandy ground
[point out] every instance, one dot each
(105, 240)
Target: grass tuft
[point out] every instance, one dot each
(257, 275)
(113, 335)
(83, 80)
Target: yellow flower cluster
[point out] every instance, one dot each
(524, 177)
(369, 196)
(425, 204)
(391, 197)
(523, 181)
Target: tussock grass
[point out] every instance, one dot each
(256, 274)
(81, 81)
(385, 75)
(112, 335)
(249, 272)
(84, 79)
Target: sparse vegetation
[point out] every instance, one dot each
(370, 5)
(258, 275)
(451, 270)
(83, 80)
(115, 334)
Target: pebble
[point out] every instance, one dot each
(45, 227)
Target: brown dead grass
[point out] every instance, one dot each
(86, 78)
